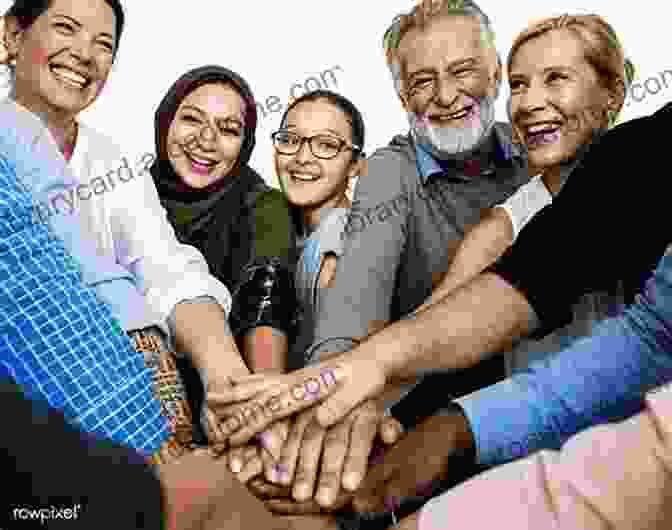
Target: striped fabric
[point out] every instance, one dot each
(58, 340)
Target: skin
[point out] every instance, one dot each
(81, 35)
(444, 67)
(208, 125)
(310, 118)
(345, 447)
(559, 86)
(75, 34)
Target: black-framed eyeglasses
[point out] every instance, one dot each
(321, 145)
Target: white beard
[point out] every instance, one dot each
(451, 142)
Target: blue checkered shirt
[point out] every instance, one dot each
(58, 340)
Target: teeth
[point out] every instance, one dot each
(201, 161)
(304, 176)
(69, 75)
(543, 127)
(455, 116)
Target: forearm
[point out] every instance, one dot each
(201, 330)
(481, 247)
(265, 349)
(485, 316)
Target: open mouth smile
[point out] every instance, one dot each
(460, 114)
(542, 133)
(69, 77)
(304, 177)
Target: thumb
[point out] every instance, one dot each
(390, 430)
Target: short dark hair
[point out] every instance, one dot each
(27, 11)
(344, 104)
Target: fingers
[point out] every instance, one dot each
(390, 430)
(306, 471)
(288, 507)
(265, 490)
(211, 426)
(371, 493)
(364, 430)
(253, 467)
(273, 439)
(237, 459)
(336, 444)
(291, 450)
(270, 407)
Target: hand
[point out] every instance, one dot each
(199, 491)
(343, 450)
(415, 462)
(341, 384)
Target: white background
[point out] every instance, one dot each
(275, 44)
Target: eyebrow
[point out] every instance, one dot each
(545, 71)
(332, 131)
(79, 25)
(203, 113)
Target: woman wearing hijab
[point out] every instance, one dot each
(205, 134)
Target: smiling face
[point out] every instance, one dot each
(309, 181)
(449, 79)
(206, 135)
(64, 58)
(557, 100)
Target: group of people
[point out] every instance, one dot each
(489, 308)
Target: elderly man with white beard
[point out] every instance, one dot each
(420, 195)
(455, 162)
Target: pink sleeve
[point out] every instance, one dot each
(615, 476)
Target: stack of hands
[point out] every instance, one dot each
(304, 442)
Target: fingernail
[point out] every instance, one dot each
(236, 465)
(302, 491)
(324, 497)
(351, 481)
(392, 503)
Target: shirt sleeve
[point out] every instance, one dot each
(525, 203)
(599, 378)
(167, 271)
(359, 299)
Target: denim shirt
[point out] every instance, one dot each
(598, 379)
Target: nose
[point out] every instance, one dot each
(304, 154)
(207, 138)
(446, 92)
(81, 48)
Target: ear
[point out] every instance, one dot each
(498, 75)
(358, 168)
(12, 37)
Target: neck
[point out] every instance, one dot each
(62, 125)
(312, 215)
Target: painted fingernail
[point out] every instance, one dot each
(236, 465)
(392, 503)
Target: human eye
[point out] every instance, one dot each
(555, 77)
(65, 28)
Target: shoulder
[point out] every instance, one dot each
(397, 156)
(98, 144)
(389, 171)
